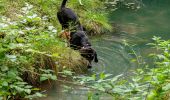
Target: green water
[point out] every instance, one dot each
(137, 27)
(152, 20)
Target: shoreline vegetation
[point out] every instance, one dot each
(31, 53)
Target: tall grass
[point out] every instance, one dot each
(31, 52)
(86, 12)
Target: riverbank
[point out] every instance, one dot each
(31, 53)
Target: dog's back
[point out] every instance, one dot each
(67, 17)
(79, 39)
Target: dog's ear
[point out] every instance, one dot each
(95, 57)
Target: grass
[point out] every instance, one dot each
(30, 48)
(95, 23)
(31, 51)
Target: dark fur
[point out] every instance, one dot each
(67, 17)
(78, 39)
(90, 54)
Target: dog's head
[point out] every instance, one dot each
(90, 54)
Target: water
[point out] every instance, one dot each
(137, 27)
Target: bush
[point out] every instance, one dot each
(31, 52)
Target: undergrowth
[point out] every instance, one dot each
(30, 53)
(147, 82)
(91, 12)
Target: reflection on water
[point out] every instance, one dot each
(58, 92)
(131, 28)
(137, 27)
(152, 20)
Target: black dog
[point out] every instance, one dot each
(79, 41)
(90, 55)
(67, 17)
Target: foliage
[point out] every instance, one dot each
(12, 86)
(30, 53)
(92, 13)
(93, 16)
(50, 7)
(149, 83)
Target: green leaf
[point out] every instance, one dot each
(39, 94)
(54, 77)
(152, 95)
(118, 90)
(19, 89)
(2, 52)
(94, 76)
(42, 78)
(116, 78)
(166, 87)
(4, 68)
(28, 87)
(28, 91)
(102, 76)
(98, 87)
(12, 74)
(107, 85)
(56, 55)
(101, 88)
(20, 40)
(5, 83)
(35, 89)
(90, 96)
(21, 83)
(13, 58)
(108, 75)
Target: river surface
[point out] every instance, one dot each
(136, 27)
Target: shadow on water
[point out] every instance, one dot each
(137, 27)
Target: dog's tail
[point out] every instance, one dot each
(63, 4)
